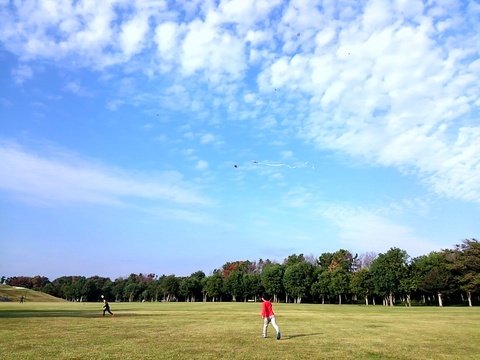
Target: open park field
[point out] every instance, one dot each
(64, 330)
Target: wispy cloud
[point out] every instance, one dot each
(364, 230)
(207, 138)
(75, 88)
(64, 179)
(22, 73)
(201, 165)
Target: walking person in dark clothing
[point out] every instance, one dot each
(106, 307)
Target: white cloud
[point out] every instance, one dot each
(207, 139)
(22, 73)
(201, 165)
(133, 33)
(166, 39)
(65, 179)
(219, 53)
(75, 88)
(361, 231)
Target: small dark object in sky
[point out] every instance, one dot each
(235, 166)
(298, 34)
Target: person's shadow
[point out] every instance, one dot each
(299, 335)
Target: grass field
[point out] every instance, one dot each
(65, 330)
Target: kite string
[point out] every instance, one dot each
(283, 164)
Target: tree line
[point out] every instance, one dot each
(446, 277)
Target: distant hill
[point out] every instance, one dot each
(14, 293)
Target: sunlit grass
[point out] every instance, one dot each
(233, 331)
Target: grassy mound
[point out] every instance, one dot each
(14, 293)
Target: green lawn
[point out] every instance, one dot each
(233, 331)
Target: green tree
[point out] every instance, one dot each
(272, 280)
(171, 286)
(234, 284)
(191, 286)
(252, 284)
(361, 284)
(339, 282)
(387, 272)
(408, 284)
(214, 285)
(325, 260)
(465, 264)
(344, 260)
(294, 259)
(118, 289)
(433, 275)
(321, 286)
(298, 279)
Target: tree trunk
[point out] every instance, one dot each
(339, 299)
(409, 300)
(440, 300)
(469, 296)
(366, 300)
(390, 298)
(323, 299)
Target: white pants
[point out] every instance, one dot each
(268, 320)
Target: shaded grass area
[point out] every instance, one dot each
(233, 331)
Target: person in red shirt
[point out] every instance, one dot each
(268, 316)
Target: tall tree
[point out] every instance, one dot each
(171, 286)
(361, 284)
(252, 284)
(321, 286)
(433, 275)
(214, 285)
(339, 282)
(465, 263)
(298, 279)
(272, 280)
(387, 272)
(234, 284)
(293, 259)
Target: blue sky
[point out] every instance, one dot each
(170, 137)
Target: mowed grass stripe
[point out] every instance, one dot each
(233, 331)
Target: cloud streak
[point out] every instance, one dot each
(63, 179)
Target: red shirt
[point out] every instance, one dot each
(267, 309)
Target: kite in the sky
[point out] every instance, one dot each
(305, 164)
